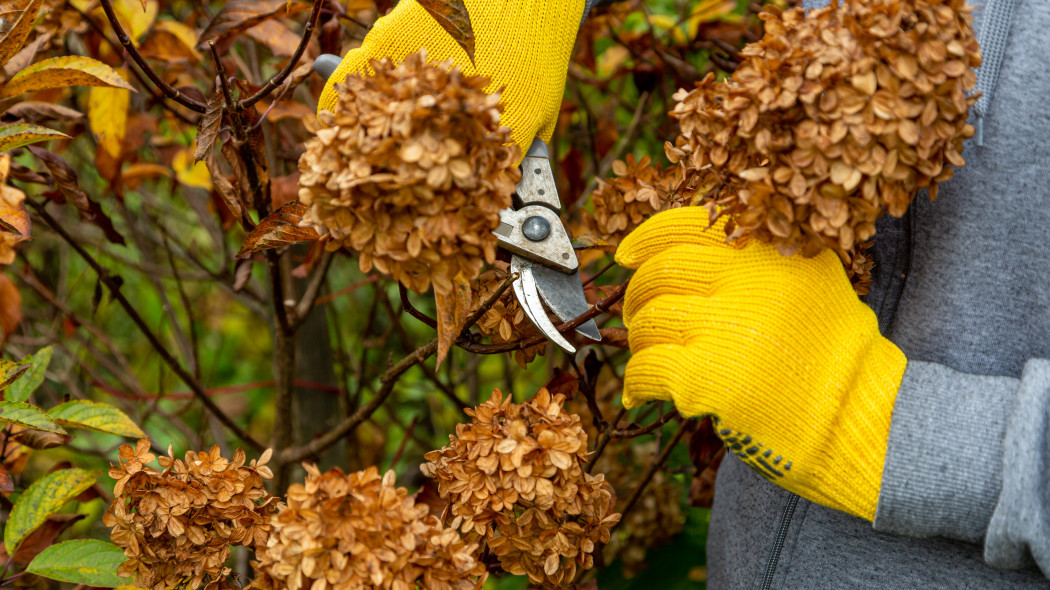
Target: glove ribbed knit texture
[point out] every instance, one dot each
(779, 349)
(522, 45)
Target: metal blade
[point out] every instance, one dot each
(528, 295)
(563, 293)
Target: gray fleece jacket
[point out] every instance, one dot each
(962, 288)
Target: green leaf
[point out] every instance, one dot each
(9, 372)
(20, 390)
(45, 497)
(27, 416)
(97, 416)
(85, 561)
(16, 136)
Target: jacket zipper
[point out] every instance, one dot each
(778, 542)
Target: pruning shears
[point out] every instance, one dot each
(533, 232)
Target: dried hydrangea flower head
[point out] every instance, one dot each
(640, 189)
(411, 172)
(834, 117)
(514, 479)
(176, 526)
(359, 530)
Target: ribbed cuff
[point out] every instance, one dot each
(943, 469)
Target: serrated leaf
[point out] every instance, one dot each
(45, 497)
(20, 390)
(208, 128)
(454, 17)
(108, 117)
(280, 228)
(87, 562)
(96, 416)
(27, 416)
(452, 311)
(10, 371)
(237, 16)
(16, 36)
(16, 136)
(59, 72)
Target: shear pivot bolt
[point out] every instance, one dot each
(536, 228)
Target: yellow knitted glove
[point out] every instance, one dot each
(523, 45)
(779, 349)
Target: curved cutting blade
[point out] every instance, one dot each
(528, 295)
(563, 293)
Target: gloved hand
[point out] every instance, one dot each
(522, 45)
(780, 350)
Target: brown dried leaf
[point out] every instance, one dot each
(39, 112)
(6, 483)
(44, 536)
(238, 16)
(452, 311)
(12, 42)
(208, 128)
(276, 36)
(10, 306)
(40, 439)
(280, 228)
(66, 179)
(454, 17)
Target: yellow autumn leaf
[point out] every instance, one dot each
(709, 10)
(189, 173)
(134, 15)
(670, 24)
(611, 59)
(59, 72)
(108, 117)
(185, 35)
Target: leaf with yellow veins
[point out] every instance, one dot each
(15, 136)
(108, 117)
(45, 497)
(96, 416)
(59, 72)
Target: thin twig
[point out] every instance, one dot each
(603, 441)
(664, 456)
(643, 430)
(166, 88)
(293, 62)
(402, 291)
(404, 441)
(113, 286)
(309, 298)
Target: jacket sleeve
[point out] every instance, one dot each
(967, 458)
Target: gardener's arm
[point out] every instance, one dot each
(968, 458)
(809, 394)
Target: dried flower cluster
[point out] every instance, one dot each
(833, 118)
(359, 530)
(641, 188)
(514, 478)
(176, 526)
(505, 321)
(411, 172)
